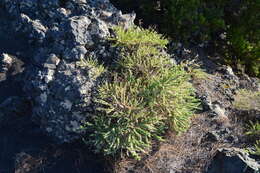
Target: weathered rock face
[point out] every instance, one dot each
(233, 160)
(218, 90)
(9, 66)
(60, 33)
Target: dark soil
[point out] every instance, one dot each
(23, 148)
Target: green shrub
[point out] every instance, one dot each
(137, 36)
(203, 20)
(194, 18)
(145, 96)
(253, 129)
(242, 44)
(257, 148)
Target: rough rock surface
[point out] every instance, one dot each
(233, 160)
(25, 148)
(11, 69)
(51, 36)
(60, 33)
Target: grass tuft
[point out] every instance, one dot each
(145, 96)
(95, 69)
(136, 35)
(257, 148)
(253, 130)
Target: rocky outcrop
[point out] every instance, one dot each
(60, 33)
(233, 160)
(47, 39)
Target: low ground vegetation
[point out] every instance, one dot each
(230, 26)
(247, 100)
(145, 96)
(253, 130)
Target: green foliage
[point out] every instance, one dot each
(123, 123)
(194, 18)
(203, 20)
(145, 96)
(253, 129)
(136, 35)
(257, 148)
(195, 70)
(243, 36)
(95, 69)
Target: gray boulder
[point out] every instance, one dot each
(5, 64)
(9, 66)
(233, 160)
(61, 99)
(60, 34)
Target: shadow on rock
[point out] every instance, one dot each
(25, 148)
(233, 160)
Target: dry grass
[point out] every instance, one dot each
(247, 100)
(186, 153)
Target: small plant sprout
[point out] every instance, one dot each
(92, 65)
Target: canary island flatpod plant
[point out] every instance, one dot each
(146, 94)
